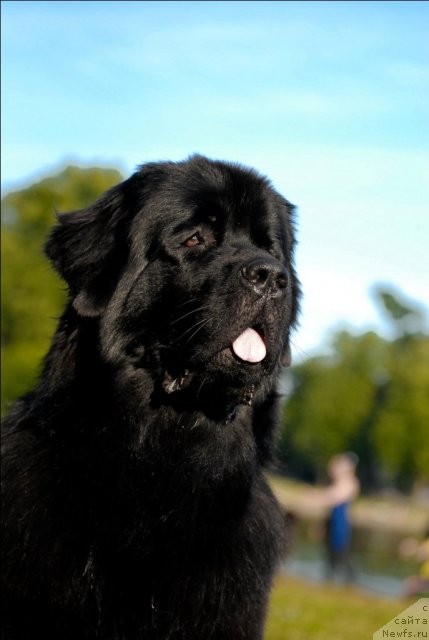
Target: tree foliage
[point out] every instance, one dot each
(32, 294)
(369, 395)
(401, 430)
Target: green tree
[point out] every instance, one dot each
(401, 428)
(32, 293)
(332, 398)
(370, 395)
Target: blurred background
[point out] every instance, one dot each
(330, 100)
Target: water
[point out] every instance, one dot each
(376, 562)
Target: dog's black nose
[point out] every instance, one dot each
(265, 275)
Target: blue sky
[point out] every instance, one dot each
(329, 99)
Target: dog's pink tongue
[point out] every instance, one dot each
(249, 346)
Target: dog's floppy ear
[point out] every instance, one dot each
(88, 249)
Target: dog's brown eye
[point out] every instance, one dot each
(193, 241)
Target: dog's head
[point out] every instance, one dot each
(188, 270)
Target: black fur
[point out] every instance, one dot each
(134, 501)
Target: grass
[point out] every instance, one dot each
(301, 610)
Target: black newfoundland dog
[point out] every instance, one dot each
(134, 500)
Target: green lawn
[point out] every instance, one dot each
(302, 610)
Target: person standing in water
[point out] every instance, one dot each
(344, 488)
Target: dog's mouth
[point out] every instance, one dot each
(249, 346)
(170, 384)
